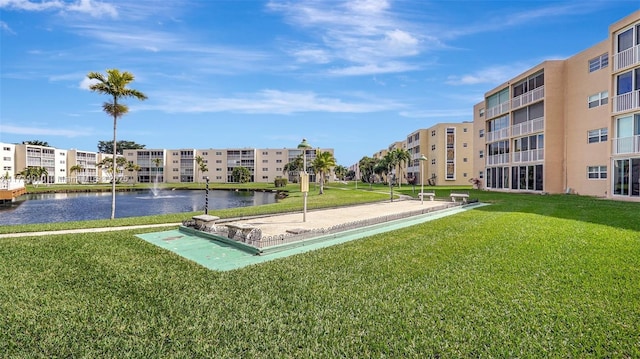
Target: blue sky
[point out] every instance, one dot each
(350, 75)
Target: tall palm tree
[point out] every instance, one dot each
(114, 84)
(76, 169)
(200, 166)
(322, 165)
(403, 157)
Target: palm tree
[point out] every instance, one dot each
(76, 169)
(341, 172)
(322, 165)
(107, 163)
(367, 166)
(131, 167)
(201, 166)
(157, 162)
(403, 157)
(385, 167)
(295, 165)
(114, 84)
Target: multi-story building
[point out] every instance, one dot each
(53, 160)
(7, 160)
(553, 129)
(448, 148)
(180, 165)
(82, 166)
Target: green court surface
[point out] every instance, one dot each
(216, 255)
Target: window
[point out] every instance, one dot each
(264, 169)
(205, 153)
(481, 174)
(481, 154)
(530, 84)
(481, 112)
(599, 99)
(464, 129)
(218, 153)
(597, 172)
(265, 161)
(599, 135)
(464, 144)
(599, 62)
(433, 161)
(433, 147)
(464, 159)
(265, 153)
(433, 133)
(481, 133)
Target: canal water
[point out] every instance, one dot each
(65, 207)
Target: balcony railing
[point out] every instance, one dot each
(524, 128)
(498, 135)
(626, 58)
(625, 145)
(497, 110)
(528, 97)
(528, 156)
(627, 101)
(497, 159)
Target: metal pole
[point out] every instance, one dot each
(422, 182)
(206, 197)
(304, 169)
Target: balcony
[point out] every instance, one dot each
(528, 156)
(626, 145)
(497, 110)
(528, 97)
(498, 159)
(535, 125)
(498, 135)
(626, 58)
(627, 101)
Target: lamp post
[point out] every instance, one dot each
(422, 159)
(304, 177)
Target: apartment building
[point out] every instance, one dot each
(53, 160)
(448, 148)
(553, 129)
(180, 166)
(82, 166)
(7, 160)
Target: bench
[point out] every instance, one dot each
(431, 195)
(462, 195)
(205, 221)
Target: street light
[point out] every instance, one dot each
(422, 159)
(304, 177)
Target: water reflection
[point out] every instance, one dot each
(64, 207)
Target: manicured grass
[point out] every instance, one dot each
(529, 276)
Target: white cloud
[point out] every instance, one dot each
(366, 34)
(91, 7)
(490, 75)
(373, 69)
(266, 102)
(42, 131)
(5, 27)
(86, 82)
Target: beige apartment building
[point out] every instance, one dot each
(53, 160)
(448, 148)
(554, 129)
(87, 170)
(180, 166)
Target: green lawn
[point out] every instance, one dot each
(528, 276)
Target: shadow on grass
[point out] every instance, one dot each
(607, 212)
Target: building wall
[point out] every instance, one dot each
(591, 123)
(52, 159)
(581, 119)
(7, 160)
